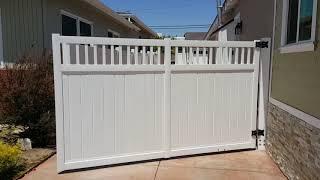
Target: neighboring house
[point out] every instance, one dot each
(293, 126)
(146, 32)
(26, 25)
(195, 35)
(244, 20)
(179, 38)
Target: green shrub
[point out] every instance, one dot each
(27, 99)
(11, 161)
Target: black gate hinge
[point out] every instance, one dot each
(262, 44)
(258, 132)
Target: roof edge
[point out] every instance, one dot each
(141, 23)
(102, 7)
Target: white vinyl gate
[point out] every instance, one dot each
(124, 100)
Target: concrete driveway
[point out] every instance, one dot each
(235, 165)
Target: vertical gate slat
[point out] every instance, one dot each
(236, 58)
(120, 55)
(184, 59)
(242, 56)
(176, 55)
(197, 56)
(95, 54)
(136, 55)
(112, 54)
(77, 54)
(204, 55)
(144, 55)
(66, 53)
(230, 56)
(190, 55)
(248, 55)
(210, 56)
(159, 55)
(128, 55)
(104, 56)
(151, 55)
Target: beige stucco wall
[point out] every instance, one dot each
(257, 19)
(296, 76)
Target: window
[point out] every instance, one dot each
(85, 29)
(69, 26)
(113, 34)
(298, 25)
(75, 26)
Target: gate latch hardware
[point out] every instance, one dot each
(258, 132)
(262, 44)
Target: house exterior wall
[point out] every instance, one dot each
(295, 76)
(257, 19)
(291, 141)
(22, 30)
(27, 25)
(101, 23)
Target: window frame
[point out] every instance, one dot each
(113, 33)
(298, 46)
(78, 19)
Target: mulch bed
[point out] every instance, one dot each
(34, 158)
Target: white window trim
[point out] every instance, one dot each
(1, 44)
(302, 46)
(297, 113)
(114, 32)
(78, 19)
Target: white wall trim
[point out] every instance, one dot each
(297, 113)
(299, 46)
(1, 44)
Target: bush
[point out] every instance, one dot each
(11, 161)
(27, 98)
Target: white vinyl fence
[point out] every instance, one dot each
(124, 100)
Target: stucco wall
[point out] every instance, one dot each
(295, 76)
(257, 19)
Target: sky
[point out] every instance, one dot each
(169, 13)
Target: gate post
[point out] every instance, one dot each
(264, 73)
(167, 99)
(56, 52)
